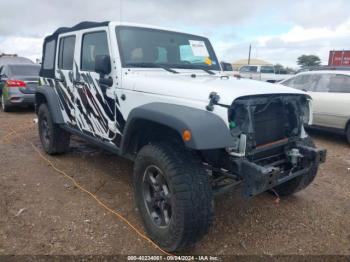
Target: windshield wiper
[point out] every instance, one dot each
(195, 67)
(152, 65)
(207, 70)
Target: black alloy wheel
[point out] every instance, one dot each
(157, 196)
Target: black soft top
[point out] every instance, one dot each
(80, 26)
(49, 72)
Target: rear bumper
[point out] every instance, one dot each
(16, 97)
(258, 178)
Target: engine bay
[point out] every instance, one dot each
(267, 119)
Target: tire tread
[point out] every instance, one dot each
(191, 186)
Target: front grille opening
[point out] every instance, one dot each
(269, 123)
(265, 120)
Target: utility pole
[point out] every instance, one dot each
(250, 50)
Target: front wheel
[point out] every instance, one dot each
(54, 139)
(173, 195)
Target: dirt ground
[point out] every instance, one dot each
(42, 212)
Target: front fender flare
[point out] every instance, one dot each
(208, 130)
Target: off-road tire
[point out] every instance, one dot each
(191, 195)
(57, 141)
(4, 107)
(299, 183)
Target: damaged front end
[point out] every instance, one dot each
(258, 121)
(269, 142)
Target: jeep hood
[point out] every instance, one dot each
(199, 87)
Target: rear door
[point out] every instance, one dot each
(96, 103)
(332, 101)
(64, 76)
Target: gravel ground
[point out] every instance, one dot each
(42, 212)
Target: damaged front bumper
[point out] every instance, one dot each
(259, 178)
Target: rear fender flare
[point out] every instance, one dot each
(52, 101)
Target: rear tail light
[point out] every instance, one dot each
(15, 83)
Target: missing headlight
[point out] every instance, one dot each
(307, 112)
(267, 119)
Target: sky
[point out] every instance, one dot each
(278, 30)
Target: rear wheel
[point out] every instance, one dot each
(173, 195)
(299, 183)
(54, 139)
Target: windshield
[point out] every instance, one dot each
(144, 47)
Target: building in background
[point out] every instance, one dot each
(339, 58)
(239, 63)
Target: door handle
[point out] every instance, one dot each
(78, 82)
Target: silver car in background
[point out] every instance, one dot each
(17, 85)
(330, 92)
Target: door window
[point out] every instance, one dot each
(323, 83)
(244, 69)
(339, 84)
(49, 55)
(304, 82)
(66, 53)
(253, 69)
(288, 82)
(248, 69)
(267, 70)
(94, 44)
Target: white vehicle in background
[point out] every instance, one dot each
(264, 73)
(330, 91)
(227, 70)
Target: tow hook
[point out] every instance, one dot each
(294, 155)
(213, 100)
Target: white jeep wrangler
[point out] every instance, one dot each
(158, 98)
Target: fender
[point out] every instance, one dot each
(208, 130)
(52, 102)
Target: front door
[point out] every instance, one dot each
(95, 102)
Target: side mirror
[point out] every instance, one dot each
(102, 64)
